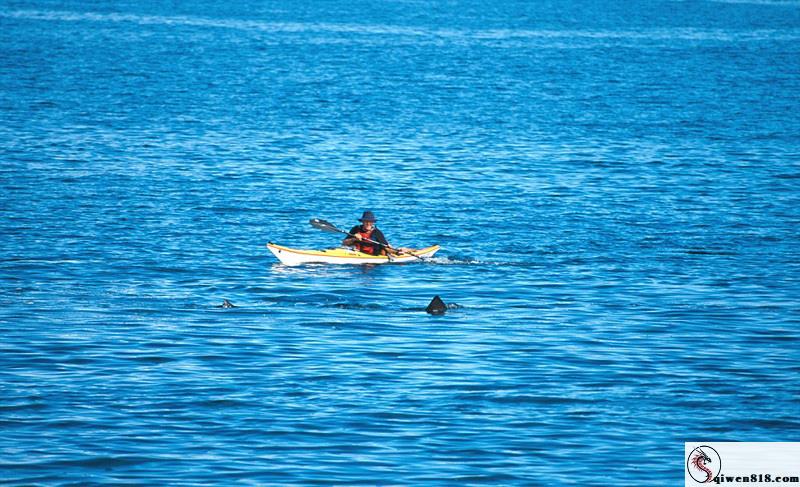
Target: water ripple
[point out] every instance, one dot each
(614, 190)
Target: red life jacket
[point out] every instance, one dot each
(366, 247)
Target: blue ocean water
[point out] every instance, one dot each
(615, 186)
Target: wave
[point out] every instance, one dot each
(289, 302)
(438, 34)
(777, 3)
(454, 261)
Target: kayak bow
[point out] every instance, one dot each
(344, 255)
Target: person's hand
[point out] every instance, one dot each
(357, 236)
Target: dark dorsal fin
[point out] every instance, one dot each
(437, 306)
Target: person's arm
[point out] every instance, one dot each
(385, 248)
(350, 240)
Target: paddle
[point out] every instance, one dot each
(327, 226)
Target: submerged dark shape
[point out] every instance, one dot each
(227, 304)
(437, 306)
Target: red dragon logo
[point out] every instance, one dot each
(698, 464)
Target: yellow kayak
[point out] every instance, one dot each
(344, 255)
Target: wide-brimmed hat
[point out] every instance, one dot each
(368, 216)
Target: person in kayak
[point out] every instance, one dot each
(359, 235)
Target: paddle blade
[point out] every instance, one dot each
(324, 226)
